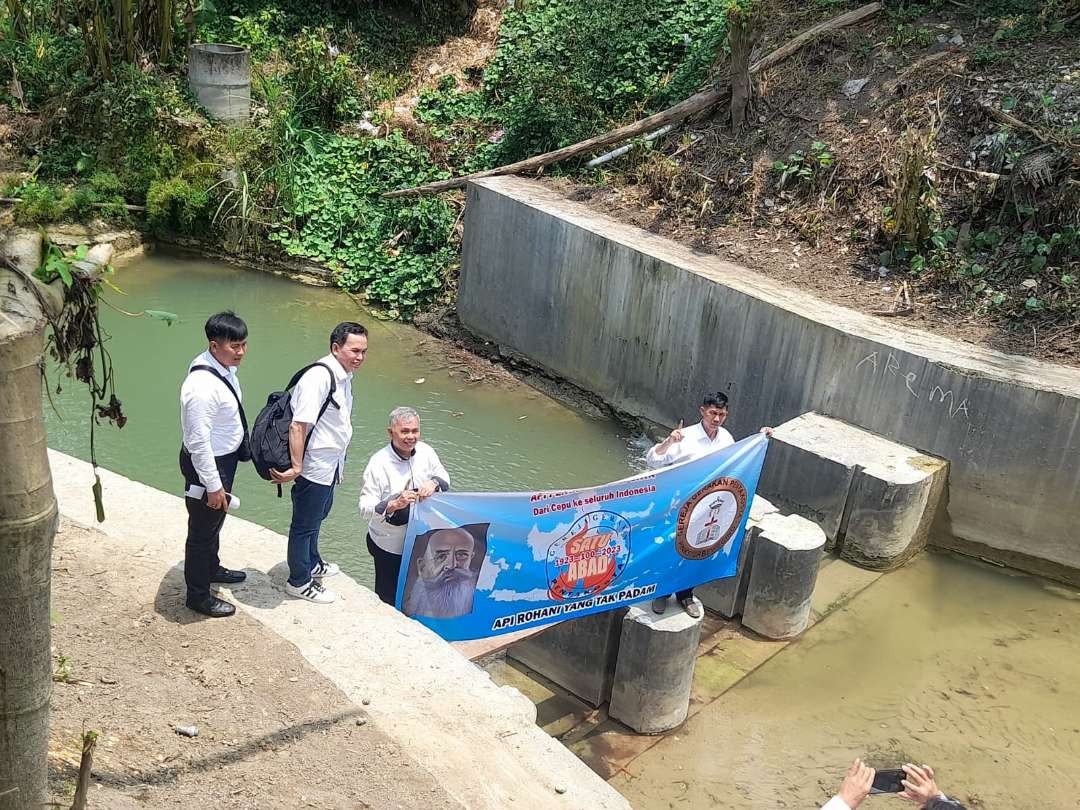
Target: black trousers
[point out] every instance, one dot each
(387, 568)
(201, 560)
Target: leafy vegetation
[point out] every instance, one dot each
(399, 251)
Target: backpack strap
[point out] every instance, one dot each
(220, 376)
(326, 403)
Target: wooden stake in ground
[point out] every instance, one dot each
(82, 788)
(698, 102)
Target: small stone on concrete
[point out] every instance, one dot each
(560, 789)
(187, 731)
(366, 701)
(361, 721)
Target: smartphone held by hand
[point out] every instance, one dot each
(199, 493)
(888, 780)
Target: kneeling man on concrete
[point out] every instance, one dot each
(403, 472)
(685, 444)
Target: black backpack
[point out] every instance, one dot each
(270, 435)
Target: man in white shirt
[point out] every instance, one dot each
(214, 440)
(317, 447)
(403, 472)
(685, 444)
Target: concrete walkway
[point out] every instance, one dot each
(478, 740)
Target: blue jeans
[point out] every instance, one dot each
(311, 504)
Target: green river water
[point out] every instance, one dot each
(491, 436)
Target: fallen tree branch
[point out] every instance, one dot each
(991, 176)
(1012, 121)
(16, 201)
(698, 102)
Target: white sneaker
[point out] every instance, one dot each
(324, 569)
(312, 592)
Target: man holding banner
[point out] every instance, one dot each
(707, 436)
(399, 475)
(479, 564)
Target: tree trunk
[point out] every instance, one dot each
(741, 37)
(28, 518)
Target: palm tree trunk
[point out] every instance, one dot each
(28, 520)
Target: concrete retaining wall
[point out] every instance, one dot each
(648, 325)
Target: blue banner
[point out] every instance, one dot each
(477, 564)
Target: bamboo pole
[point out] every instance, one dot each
(28, 518)
(698, 102)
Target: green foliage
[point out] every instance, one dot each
(41, 203)
(906, 36)
(564, 69)
(55, 265)
(43, 64)
(804, 168)
(324, 79)
(463, 122)
(398, 250)
(179, 204)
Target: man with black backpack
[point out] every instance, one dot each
(215, 439)
(319, 434)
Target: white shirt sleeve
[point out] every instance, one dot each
(309, 395)
(437, 470)
(371, 492)
(655, 460)
(197, 409)
(836, 803)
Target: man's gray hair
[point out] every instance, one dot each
(403, 413)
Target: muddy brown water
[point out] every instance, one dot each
(969, 668)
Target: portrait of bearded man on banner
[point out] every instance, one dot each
(443, 571)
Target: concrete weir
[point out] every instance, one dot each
(478, 740)
(646, 324)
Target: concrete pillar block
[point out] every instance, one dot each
(783, 572)
(875, 499)
(891, 508)
(726, 596)
(804, 476)
(651, 692)
(579, 654)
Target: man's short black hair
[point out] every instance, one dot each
(717, 400)
(226, 327)
(343, 330)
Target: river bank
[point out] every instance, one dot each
(133, 664)
(478, 742)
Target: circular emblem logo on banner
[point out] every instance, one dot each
(708, 520)
(589, 557)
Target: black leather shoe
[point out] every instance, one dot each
(227, 576)
(212, 606)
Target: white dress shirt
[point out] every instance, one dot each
(386, 476)
(210, 417)
(324, 461)
(695, 444)
(836, 803)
